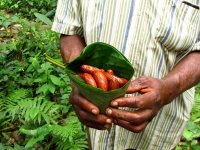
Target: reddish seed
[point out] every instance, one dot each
(101, 80)
(113, 84)
(89, 69)
(88, 78)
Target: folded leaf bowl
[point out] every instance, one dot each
(103, 56)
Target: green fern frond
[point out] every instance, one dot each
(66, 132)
(37, 110)
(77, 144)
(19, 93)
(2, 105)
(71, 136)
(197, 102)
(36, 135)
(2, 102)
(195, 115)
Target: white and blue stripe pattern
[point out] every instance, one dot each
(154, 35)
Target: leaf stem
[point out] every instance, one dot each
(54, 61)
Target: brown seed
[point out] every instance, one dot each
(101, 80)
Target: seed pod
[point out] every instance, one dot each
(88, 78)
(113, 84)
(101, 80)
(110, 71)
(122, 81)
(89, 69)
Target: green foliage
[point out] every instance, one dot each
(70, 136)
(191, 135)
(27, 8)
(34, 108)
(43, 18)
(37, 135)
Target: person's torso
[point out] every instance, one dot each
(151, 34)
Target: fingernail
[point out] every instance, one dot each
(109, 111)
(108, 121)
(94, 111)
(114, 104)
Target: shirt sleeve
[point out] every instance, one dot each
(68, 18)
(195, 47)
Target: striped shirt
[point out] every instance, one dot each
(154, 35)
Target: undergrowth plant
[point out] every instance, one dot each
(27, 8)
(35, 112)
(191, 135)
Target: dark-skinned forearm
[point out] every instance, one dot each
(71, 46)
(184, 75)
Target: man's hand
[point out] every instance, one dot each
(153, 95)
(88, 113)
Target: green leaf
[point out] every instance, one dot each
(51, 87)
(6, 24)
(47, 107)
(56, 80)
(43, 89)
(39, 118)
(104, 56)
(46, 67)
(33, 141)
(43, 18)
(34, 112)
(195, 147)
(46, 118)
(2, 146)
(18, 147)
(194, 142)
(38, 131)
(178, 148)
(188, 135)
(38, 134)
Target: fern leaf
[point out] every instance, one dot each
(35, 110)
(34, 104)
(27, 115)
(46, 118)
(39, 118)
(19, 93)
(43, 105)
(2, 105)
(39, 102)
(37, 134)
(70, 136)
(47, 107)
(38, 131)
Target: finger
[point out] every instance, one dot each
(136, 85)
(146, 100)
(98, 126)
(88, 117)
(136, 118)
(83, 103)
(131, 127)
